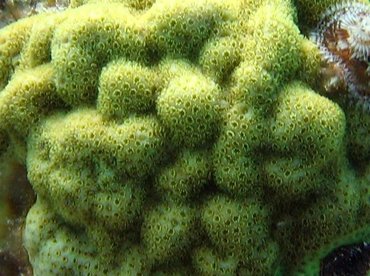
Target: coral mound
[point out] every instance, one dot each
(180, 138)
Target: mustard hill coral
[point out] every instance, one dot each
(117, 154)
(208, 262)
(181, 137)
(190, 108)
(234, 227)
(126, 88)
(27, 97)
(185, 177)
(167, 232)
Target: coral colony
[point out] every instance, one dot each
(343, 36)
(175, 137)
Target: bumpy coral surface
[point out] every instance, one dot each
(181, 138)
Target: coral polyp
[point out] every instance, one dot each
(343, 37)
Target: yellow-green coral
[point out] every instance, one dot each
(12, 40)
(329, 222)
(181, 137)
(235, 227)
(167, 232)
(27, 97)
(236, 168)
(74, 252)
(306, 159)
(208, 262)
(189, 107)
(220, 57)
(119, 157)
(126, 88)
(185, 177)
(181, 28)
(358, 130)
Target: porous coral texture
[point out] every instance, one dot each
(180, 138)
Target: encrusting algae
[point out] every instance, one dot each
(189, 137)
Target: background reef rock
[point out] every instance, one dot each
(178, 138)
